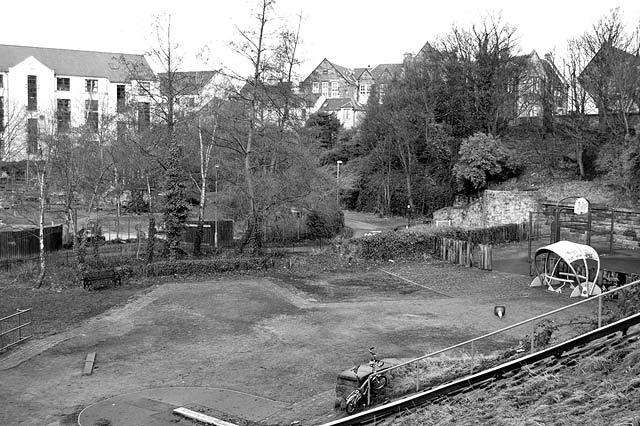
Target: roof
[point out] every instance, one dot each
(336, 104)
(570, 251)
(117, 67)
(346, 72)
(191, 82)
(392, 69)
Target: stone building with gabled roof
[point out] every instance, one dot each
(344, 91)
(56, 89)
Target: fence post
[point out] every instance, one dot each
(417, 376)
(473, 354)
(613, 215)
(599, 311)
(19, 327)
(529, 239)
(533, 336)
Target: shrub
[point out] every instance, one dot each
(483, 158)
(207, 266)
(324, 224)
(396, 245)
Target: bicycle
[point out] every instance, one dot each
(372, 381)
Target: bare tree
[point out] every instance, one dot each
(13, 121)
(612, 76)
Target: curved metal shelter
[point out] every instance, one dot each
(566, 262)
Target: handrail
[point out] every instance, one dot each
(519, 324)
(20, 312)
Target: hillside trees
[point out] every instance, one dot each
(262, 158)
(408, 153)
(482, 159)
(480, 69)
(612, 76)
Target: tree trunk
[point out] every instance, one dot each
(43, 259)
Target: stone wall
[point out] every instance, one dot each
(492, 208)
(502, 207)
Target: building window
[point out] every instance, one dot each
(121, 97)
(32, 93)
(1, 117)
(1, 81)
(144, 116)
(64, 84)
(335, 93)
(32, 136)
(316, 87)
(325, 88)
(144, 87)
(365, 89)
(91, 85)
(64, 114)
(381, 90)
(91, 108)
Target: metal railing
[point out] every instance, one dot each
(15, 328)
(530, 323)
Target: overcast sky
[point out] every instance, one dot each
(352, 33)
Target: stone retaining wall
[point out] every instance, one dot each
(503, 207)
(491, 209)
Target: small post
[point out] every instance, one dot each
(533, 335)
(599, 310)
(369, 390)
(473, 354)
(613, 215)
(529, 239)
(417, 376)
(19, 326)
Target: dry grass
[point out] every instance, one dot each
(598, 390)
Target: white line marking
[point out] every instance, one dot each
(415, 283)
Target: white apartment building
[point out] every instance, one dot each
(52, 90)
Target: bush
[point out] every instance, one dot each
(483, 158)
(396, 245)
(207, 266)
(324, 224)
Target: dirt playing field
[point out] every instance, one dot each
(279, 339)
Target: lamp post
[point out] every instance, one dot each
(215, 231)
(338, 182)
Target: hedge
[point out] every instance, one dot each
(207, 266)
(410, 245)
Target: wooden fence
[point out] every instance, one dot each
(15, 328)
(25, 243)
(225, 232)
(465, 253)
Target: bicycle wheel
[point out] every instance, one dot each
(378, 382)
(351, 408)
